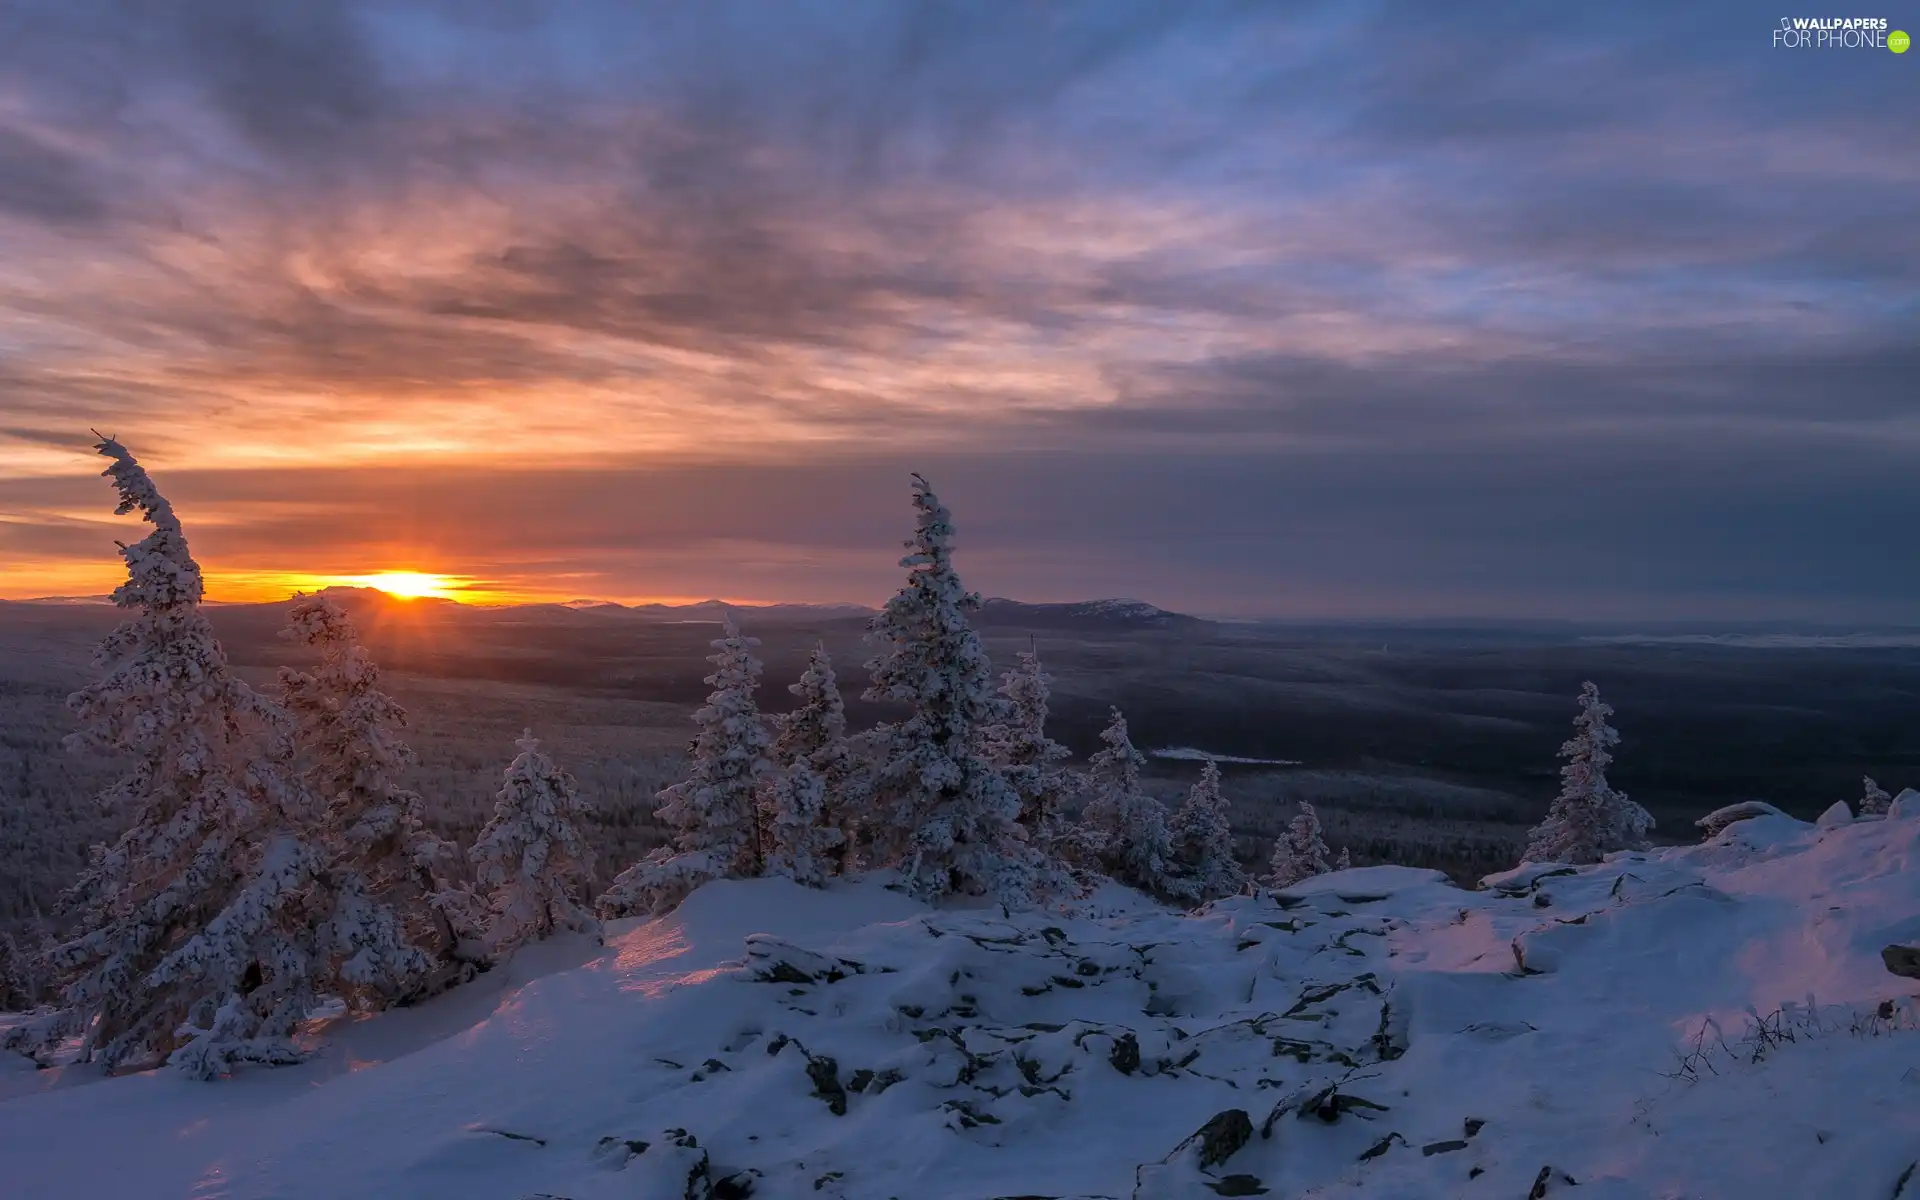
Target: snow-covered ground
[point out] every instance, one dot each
(1374, 1032)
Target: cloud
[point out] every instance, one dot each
(737, 240)
(44, 183)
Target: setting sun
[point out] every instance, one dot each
(408, 585)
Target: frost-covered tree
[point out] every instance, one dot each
(1121, 826)
(1031, 761)
(19, 989)
(1875, 798)
(202, 800)
(1300, 852)
(949, 814)
(801, 845)
(813, 737)
(1344, 862)
(716, 811)
(404, 923)
(530, 861)
(257, 967)
(1588, 820)
(1204, 865)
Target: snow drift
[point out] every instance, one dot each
(1708, 1021)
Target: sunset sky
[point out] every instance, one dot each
(1359, 309)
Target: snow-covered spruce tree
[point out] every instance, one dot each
(404, 925)
(716, 811)
(814, 737)
(157, 945)
(1588, 820)
(1204, 867)
(1031, 761)
(1875, 798)
(259, 965)
(18, 989)
(949, 816)
(530, 861)
(1344, 862)
(1300, 852)
(1121, 826)
(801, 845)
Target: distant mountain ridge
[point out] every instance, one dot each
(1117, 613)
(995, 612)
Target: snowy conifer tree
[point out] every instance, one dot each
(257, 966)
(1204, 865)
(952, 817)
(1031, 760)
(1300, 852)
(402, 924)
(814, 736)
(1344, 862)
(18, 989)
(1123, 827)
(1875, 798)
(530, 860)
(801, 845)
(1588, 820)
(204, 795)
(717, 810)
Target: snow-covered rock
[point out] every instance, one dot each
(1836, 814)
(1357, 884)
(1720, 818)
(1711, 1020)
(1906, 804)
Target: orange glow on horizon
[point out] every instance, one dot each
(262, 586)
(409, 585)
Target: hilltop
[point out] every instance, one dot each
(1703, 1021)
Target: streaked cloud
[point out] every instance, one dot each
(308, 258)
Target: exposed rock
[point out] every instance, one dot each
(1381, 1147)
(1717, 820)
(1126, 1054)
(1447, 1147)
(1330, 1104)
(1532, 958)
(615, 1151)
(825, 1074)
(1524, 879)
(965, 1114)
(1902, 960)
(773, 960)
(675, 1168)
(1222, 1136)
